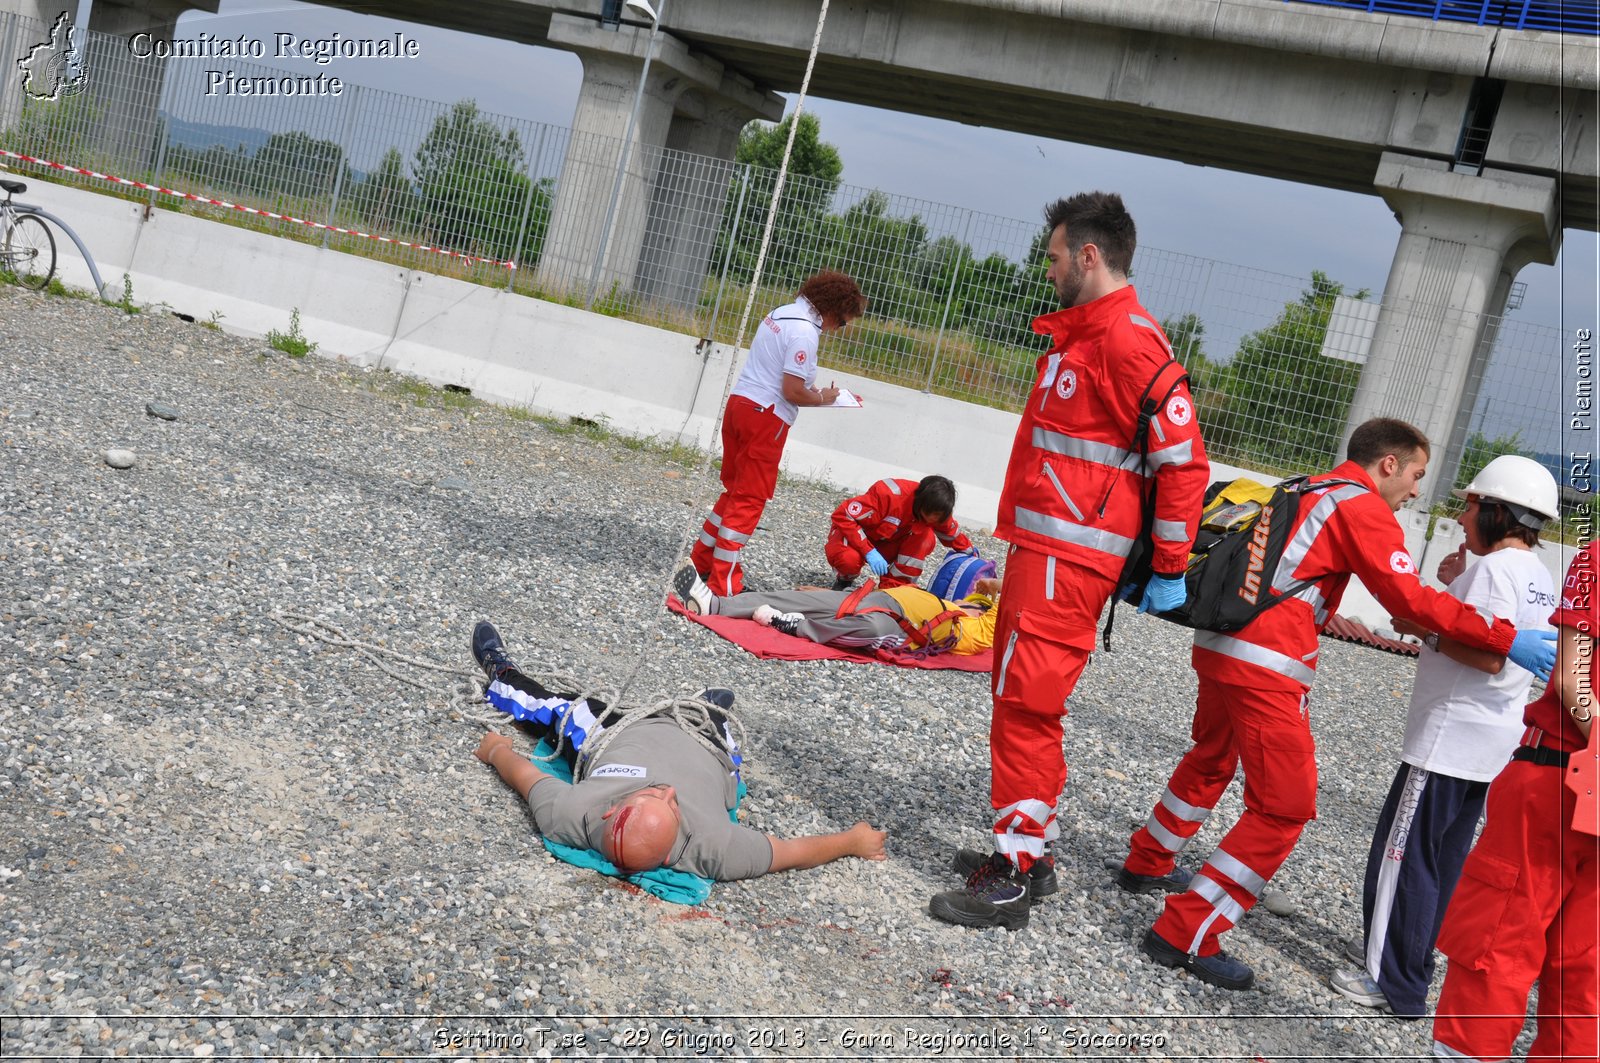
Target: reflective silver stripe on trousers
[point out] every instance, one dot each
(722, 553)
(1249, 653)
(1223, 906)
(707, 539)
(1077, 534)
(1031, 807)
(1170, 531)
(715, 520)
(1239, 871)
(1444, 1051)
(1062, 491)
(1305, 536)
(1144, 322)
(1183, 809)
(1005, 662)
(1171, 842)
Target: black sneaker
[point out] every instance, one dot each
(721, 697)
(692, 590)
(788, 623)
(1220, 969)
(489, 651)
(995, 895)
(1174, 881)
(1041, 876)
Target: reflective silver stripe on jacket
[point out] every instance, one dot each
(1108, 455)
(1077, 534)
(1144, 322)
(1178, 454)
(1062, 491)
(893, 487)
(1260, 656)
(1170, 531)
(1305, 536)
(1086, 449)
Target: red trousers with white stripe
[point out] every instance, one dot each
(1525, 910)
(1043, 636)
(1269, 733)
(905, 554)
(752, 446)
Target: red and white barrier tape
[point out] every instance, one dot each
(253, 210)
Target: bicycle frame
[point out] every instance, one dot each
(26, 208)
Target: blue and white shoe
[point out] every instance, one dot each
(489, 651)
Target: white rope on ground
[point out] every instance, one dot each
(692, 715)
(654, 625)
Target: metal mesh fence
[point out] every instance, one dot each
(1275, 360)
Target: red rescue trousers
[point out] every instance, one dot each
(1043, 636)
(752, 445)
(1268, 732)
(905, 555)
(1525, 911)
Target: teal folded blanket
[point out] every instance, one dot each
(679, 887)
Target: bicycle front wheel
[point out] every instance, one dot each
(30, 251)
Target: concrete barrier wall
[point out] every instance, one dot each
(561, 361)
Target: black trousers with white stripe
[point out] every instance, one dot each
(1422, 839)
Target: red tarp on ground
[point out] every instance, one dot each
(775, 645)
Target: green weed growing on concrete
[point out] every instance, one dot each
(214, 321)
(126, 303)
(294, 342)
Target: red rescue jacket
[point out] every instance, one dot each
(880, 518)
(1338, 531)
(1073, 488)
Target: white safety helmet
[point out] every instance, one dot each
(1522, 484)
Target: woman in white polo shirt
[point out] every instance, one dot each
(1464, 722)
(777, 379)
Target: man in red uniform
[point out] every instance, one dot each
(1073, 506)
(891, 528)
(1526, 907)
(1252, 705)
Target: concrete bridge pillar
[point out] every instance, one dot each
(126, 90)
(1463, 240)
(668, 203)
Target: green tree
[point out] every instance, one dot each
(812, 181)
(1286, 402)
(470, 184)
(1480, 451)
(297, 166)
(1187, 336)
(386, 200)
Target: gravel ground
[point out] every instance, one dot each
(224, 837)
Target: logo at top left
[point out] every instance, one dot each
(54, 69)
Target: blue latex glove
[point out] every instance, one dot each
(876, 562)
(1535, 651)
(1163, 593)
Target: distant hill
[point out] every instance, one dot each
(198, 136)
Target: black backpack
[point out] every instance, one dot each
(1136, 570)
(1244, 530)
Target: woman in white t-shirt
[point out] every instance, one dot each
(776, 380)
(1464, 721)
